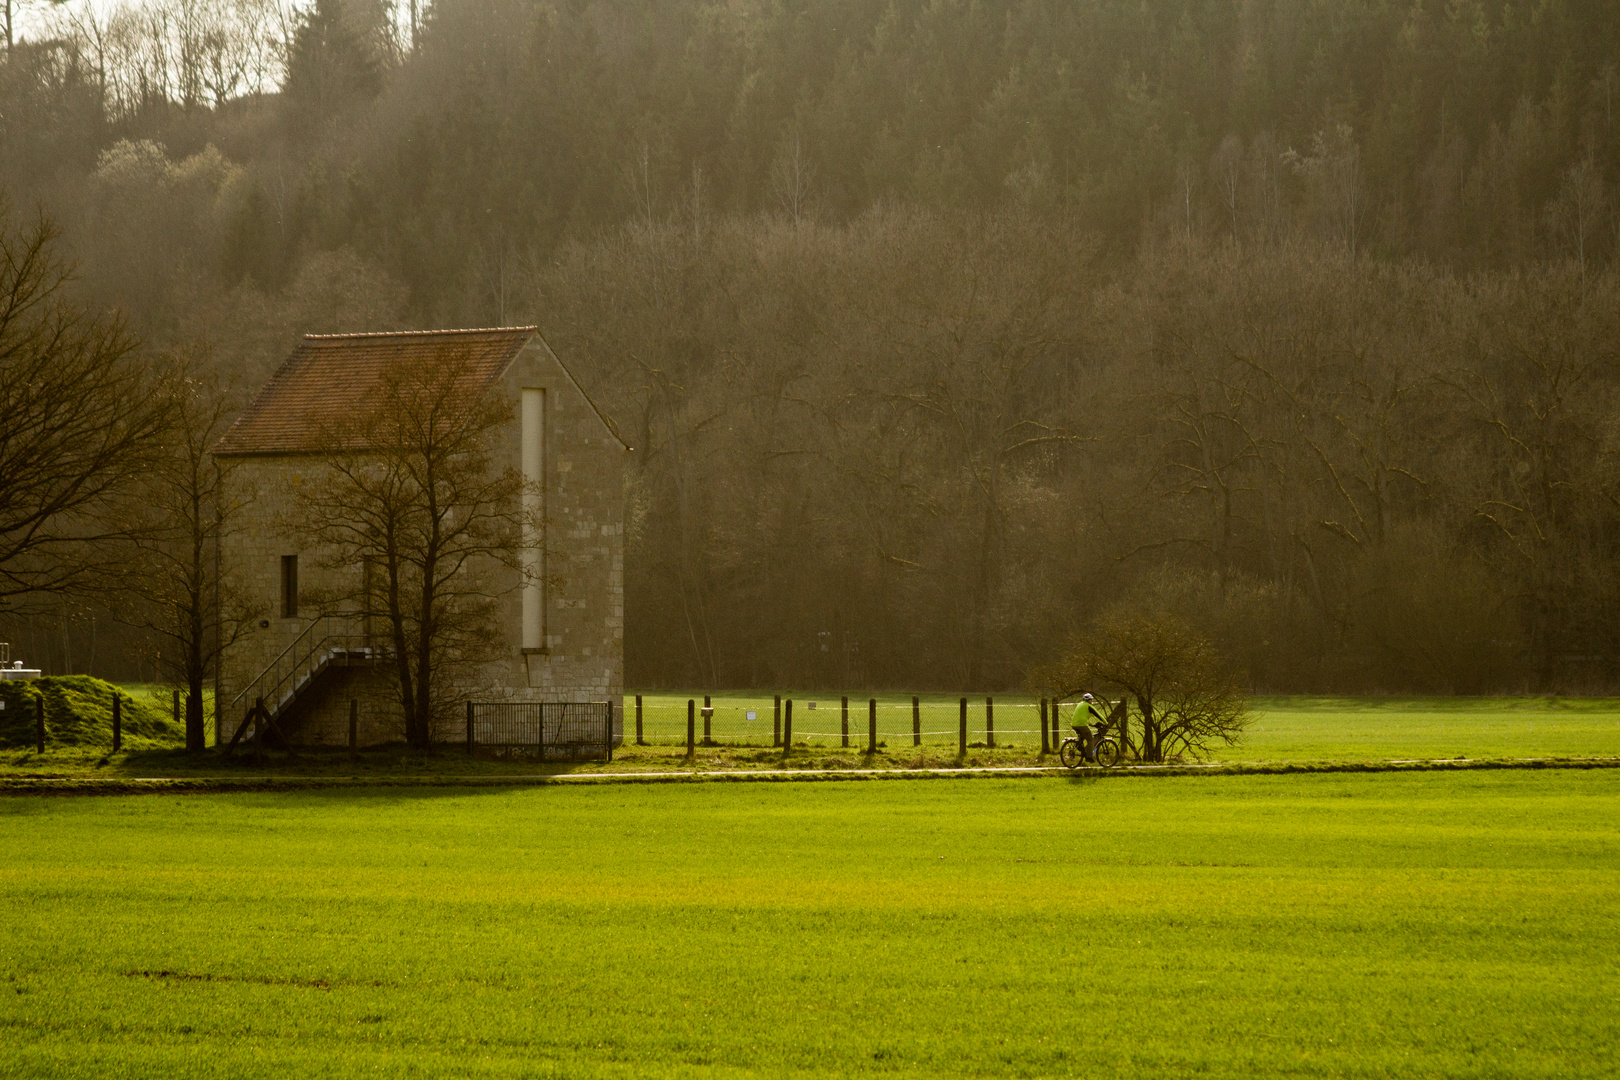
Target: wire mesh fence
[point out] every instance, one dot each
(831, 722)
(549, 730)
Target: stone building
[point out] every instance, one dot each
(560, 629)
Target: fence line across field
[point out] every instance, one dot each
(863, 706)
(664, 721)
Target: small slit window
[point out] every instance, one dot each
(289, 586)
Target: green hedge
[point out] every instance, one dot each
(78, 712)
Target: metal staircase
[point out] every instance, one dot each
(341, 639)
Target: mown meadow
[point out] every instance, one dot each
(1440, 924)
(1283, 729)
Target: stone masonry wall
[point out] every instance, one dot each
(584, 657)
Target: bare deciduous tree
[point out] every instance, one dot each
(793, 178)
(1332, 171)
(1532, 367)
(80, 427)
(1577, 214)
(412, 488)
(1226, 170)
(1187, 696)
(192, 616)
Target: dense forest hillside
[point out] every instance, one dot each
(1473, 134)
(939, 326)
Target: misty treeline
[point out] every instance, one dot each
(939, 328)
(922, 449)
(238, 144)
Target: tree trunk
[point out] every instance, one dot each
(1150, 731)
(402, 655)
(196, 666)
(419, 727)
(1119, 718)
(196, 736)
(196, 729)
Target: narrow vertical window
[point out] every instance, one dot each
(532, 413)
(289, 586)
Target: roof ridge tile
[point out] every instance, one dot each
(423, 333)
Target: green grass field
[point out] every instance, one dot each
(1315, 728)
(1348, 925)
(1285, 728)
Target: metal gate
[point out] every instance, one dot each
(550, 730)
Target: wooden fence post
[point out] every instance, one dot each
(846, 722)
(469, 729)
(961, 731)
(39, 721)
(916, 721)
(354, 730)
(258, 729)
(871, 726)
(691, 727)
(1046, 742)
(776, 722)
(118, 722)
(640, 739)
(787, 729)
(708, 722)
(990, 722)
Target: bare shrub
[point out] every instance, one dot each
(1187, 696)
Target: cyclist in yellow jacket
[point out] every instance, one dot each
(1085, 714)
(1091, 741)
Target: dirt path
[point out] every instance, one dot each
(49, 785)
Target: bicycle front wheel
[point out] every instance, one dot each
(1107, 753)
(1069, 753)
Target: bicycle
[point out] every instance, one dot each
(1098, 749)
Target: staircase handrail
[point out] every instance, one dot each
(311, 644)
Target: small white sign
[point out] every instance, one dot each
(812, 704)
(752, 715)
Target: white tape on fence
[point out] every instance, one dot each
(862, 706)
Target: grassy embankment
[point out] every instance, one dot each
(1287, 730)
(1456, 925)
(78, 712)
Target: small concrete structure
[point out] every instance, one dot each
(559, 631)
(13, 670)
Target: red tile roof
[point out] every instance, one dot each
(329, 378)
